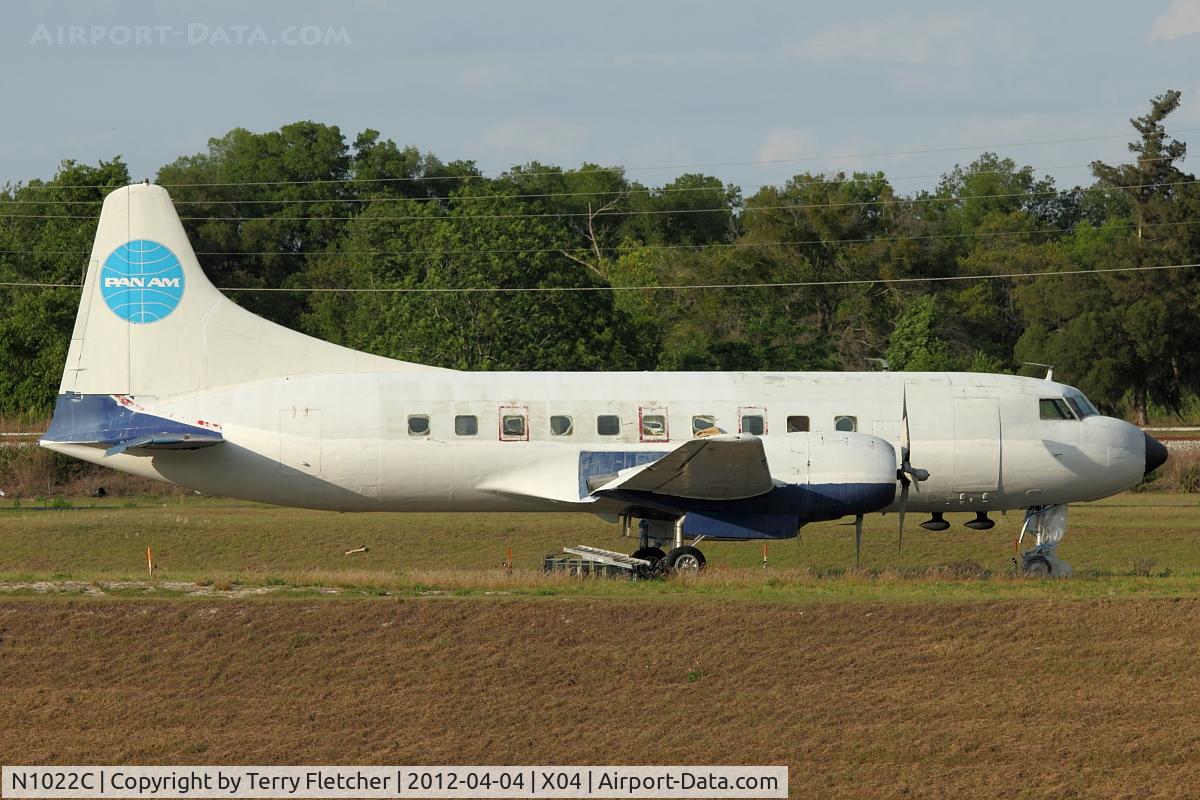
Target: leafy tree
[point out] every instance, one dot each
(1128, 335)
(477, 245)
(41, 243)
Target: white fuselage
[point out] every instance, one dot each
(344, 441)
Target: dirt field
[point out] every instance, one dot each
(1033, 699)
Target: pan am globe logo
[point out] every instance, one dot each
(141, 281)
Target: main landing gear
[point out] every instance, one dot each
(680, 558)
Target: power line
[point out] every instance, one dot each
(622, 170)
(618, 248)
(819, 181)
(650, 211)
(651, 288)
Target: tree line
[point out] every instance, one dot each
(304, 208)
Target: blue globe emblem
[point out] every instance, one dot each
(142, 281)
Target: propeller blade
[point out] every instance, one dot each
(903, 509)
(858, 526)
(907, 470)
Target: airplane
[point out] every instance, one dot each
(167, 378)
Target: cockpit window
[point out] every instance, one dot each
(1081, 406)
(1054, 408)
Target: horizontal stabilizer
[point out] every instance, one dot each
(166, 441)
(118, 424)
(725, 467)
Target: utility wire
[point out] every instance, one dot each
(618, 248)
(816, 180)
(622, 170)
(650, 211)
(651, 288)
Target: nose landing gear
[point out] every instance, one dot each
(1048, 525)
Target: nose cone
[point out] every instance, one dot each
(1156, 453)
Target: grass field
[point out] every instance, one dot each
(928, 673)
(1057, 699)
(1131, 544)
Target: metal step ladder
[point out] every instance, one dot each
(582, 560)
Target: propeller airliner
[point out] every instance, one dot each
(167, 378)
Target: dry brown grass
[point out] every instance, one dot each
(1181, 473)
(31, 471)
(1046, 699)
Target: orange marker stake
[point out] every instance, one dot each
(149, 561)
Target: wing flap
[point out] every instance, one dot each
(725, 467)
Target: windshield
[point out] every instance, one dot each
(1081, 406)
(1053, 408)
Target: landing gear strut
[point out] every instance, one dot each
(654, 534)
(1047, 525)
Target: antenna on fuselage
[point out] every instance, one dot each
(1049, 368)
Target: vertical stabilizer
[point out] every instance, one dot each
(151, 324)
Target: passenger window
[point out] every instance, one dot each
(466, 425)
(512, 427)
(703, 422)
(797, 424)
(845, 423)
(654, 427)
(608, 425)
(418, 424)
(1053, 408)
(753, 423)
(561, 425)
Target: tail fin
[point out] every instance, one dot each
(151, 324)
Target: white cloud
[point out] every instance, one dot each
(939, 39)
(540, 137)
(684, 58)
(794, 150)
(786, 144)
(1181, 19)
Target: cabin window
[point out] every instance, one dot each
(654, 427)
(845, 423)
(608, 425)
(703, 422)
(466, 425)
(1054, 408)
(418, 424)
(797, 424)
(753, 424)
(561, 425)
(512, 427)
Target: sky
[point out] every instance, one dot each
(752, 92)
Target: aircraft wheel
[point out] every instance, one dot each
(1037, 567)
(651, 554)
(685, 559)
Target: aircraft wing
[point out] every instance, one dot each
(724, 467)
